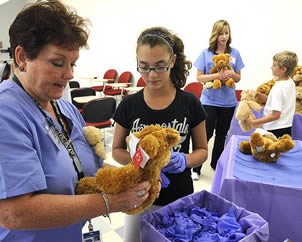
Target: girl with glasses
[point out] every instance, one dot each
(164, 67)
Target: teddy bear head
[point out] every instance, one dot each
(157, 142)
(221, 61)
(297, 76)
(264, 89)
(298, 70)
(248, 95)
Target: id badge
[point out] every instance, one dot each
(93, 236)
(53, 135)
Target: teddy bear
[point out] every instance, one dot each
(221, 63)
(245, 107)
(207, 85)
(154, 141)
(297, 76)
(265, 147)
(94, 137)
(299, 100)
(265, 89)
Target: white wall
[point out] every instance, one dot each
(8, 12)
(259, 30)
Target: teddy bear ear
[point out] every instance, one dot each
(173, 137)
(214, 58)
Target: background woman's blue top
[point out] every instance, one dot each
(223, 97)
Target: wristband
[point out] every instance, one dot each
(107, 206)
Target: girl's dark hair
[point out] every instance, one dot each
(162, 36)
(47, 22)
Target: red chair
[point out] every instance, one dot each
(195, 88)
(141, 82)
(238, 95)
(110, 74)
(125, 77)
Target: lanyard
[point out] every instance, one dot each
(65, 139)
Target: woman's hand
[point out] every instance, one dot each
(129, 199)
(227, 74)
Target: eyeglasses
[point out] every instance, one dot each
(158, 69)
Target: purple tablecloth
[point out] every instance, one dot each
(255, 227)
(236, 130)
(280, 205)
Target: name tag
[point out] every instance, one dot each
(93, 236)
(53, 135)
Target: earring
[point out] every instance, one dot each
(21, 68)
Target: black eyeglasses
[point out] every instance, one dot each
(158, 69)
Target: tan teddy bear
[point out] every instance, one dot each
(265, 147)
(299, 100)
(265, 89)
(221, 63)
(297, 76)
(156, 142)
(245, 107)
(207, 85)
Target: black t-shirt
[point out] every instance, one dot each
(183, 114)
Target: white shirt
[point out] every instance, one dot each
(281, 98)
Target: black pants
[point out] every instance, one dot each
(219, 119)
(280, 132)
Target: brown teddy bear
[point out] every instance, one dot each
(297, 76)
(245, 107)
(153, 140)
(265, 89)
(299, 100)
(221, 63)
(265, 147)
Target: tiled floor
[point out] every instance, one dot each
(114, 232)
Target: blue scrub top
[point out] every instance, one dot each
(31, 162)
(223, 97)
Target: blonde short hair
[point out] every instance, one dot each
(287, 59)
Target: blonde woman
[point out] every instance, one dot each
(219, 104)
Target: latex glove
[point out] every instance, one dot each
(164, 180)
(177, 164)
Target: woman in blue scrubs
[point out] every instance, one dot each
(38, 170)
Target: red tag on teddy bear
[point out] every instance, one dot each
(137, 157)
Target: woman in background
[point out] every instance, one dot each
(219, 103)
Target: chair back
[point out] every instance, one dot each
(80, 92)
(110, 74)
(125, 77)
(99, 110)
(195, 88)
(141, 82)
(238, 95)
(4, 71)
(74, 84)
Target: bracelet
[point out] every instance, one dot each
(107, 206)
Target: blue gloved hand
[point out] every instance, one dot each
(177, 164)
(164, 180)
